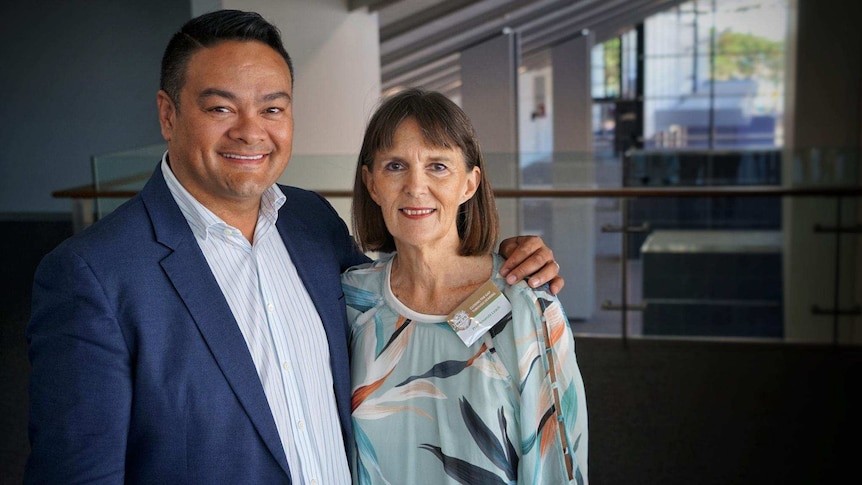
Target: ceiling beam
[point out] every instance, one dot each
(371, 4)
(417, 47)
(403, 55)
(423, 17)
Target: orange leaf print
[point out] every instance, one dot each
(549, 434)
(361, 393)
(479, 353)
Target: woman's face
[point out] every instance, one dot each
(419, 189)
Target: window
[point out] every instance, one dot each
(715, 75)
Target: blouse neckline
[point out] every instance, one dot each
(406, 311)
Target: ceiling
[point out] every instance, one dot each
(420, 40)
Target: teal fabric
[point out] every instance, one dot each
(428, 409)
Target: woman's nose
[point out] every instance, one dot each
(416, 183)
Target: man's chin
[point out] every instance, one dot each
(246, 191)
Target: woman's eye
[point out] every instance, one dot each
(393, 166)
(438, 167)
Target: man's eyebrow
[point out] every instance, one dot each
(216, 92)
(230, 96)
(277, 95)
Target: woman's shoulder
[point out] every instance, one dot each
(364, 271)
(520, 290)
(364, 287)
(364, 284)
(528, 304)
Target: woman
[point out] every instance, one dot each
(456, 375)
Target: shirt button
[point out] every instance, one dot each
(270, 307)
(228, 232)
(313, 481)
(301, 425)
(285, 365)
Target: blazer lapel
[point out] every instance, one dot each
(190, 274)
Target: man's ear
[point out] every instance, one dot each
(167, 114)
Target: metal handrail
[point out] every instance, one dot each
(90, 192)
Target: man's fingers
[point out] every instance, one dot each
(529, 257)
(539, 267)
(523, 250)
(557, 285)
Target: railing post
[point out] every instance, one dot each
(836, 311)
(625, 230)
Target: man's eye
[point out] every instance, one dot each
(274, 110)
(219, 109)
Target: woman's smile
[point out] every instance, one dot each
(416, 213)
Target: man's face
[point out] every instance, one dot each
(230, 138)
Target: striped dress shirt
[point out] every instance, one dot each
(282, 329)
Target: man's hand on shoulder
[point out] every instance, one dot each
(529, 257)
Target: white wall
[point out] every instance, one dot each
(336, 61)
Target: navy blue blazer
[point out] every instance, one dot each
(139, 370)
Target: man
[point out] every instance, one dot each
(197, 334)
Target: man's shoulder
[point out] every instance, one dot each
(124, 229)
(306, 204)
(297, 194)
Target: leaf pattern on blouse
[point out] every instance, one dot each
(427, 408)
(446, 369)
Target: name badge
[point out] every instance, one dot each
(479, 312)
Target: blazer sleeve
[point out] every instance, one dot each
(80, 381)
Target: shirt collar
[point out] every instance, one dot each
(201, 219)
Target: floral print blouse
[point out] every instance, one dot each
(510, 408)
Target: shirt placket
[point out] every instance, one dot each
(291, 376)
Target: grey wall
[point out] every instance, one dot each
(77, 78)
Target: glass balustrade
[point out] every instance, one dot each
(746, 244)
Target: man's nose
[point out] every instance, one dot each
(248, 130)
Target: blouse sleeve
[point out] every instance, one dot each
(553, 403)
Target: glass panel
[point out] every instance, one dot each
(704, 267)
(590, 258)
(129, 170)
(630, 66)
(126, 170)
(713, 282)
(607, 72)
(823, 166)
(651, 168)
(715, 74)
(598, 71)
(604, 124)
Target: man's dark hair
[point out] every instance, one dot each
(207, 30)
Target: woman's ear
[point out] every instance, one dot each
(473, 179)
(368, 180)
